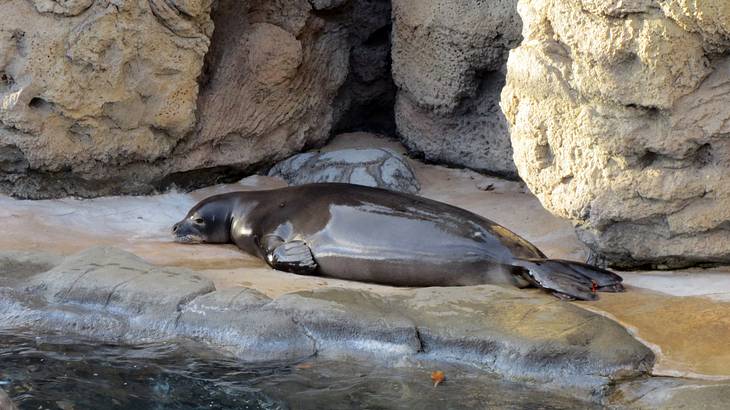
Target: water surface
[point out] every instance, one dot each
(55, 372)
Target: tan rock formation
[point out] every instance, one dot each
(89, 88)
(619, 119)
(448, 59)
(103, 98)
(275, 69)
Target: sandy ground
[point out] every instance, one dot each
(683, 315)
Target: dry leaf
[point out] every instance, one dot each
(437, 377)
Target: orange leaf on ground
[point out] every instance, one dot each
(437, 377)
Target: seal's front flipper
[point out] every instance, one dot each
(291, 256)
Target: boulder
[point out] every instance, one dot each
(100, 99)
(375, 167)
(526, 336)
(352, 323)
(448, 65)
(126, 297)
(619, 122)
(273, 70)
(234, 319)
(90, 88)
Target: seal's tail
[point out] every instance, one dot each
(568, 279)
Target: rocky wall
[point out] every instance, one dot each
(132, 96)
(619, 120)
(448, 65)
(88, 88)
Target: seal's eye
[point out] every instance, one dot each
(199, 220)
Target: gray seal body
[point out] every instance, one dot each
(375, 235)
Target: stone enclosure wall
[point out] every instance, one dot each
(448, 64)
(621, 122)
(130, 96)
(617, 109)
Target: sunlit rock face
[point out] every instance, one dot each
(448, 65)
(619, 121)
(101, 98)
(89, 87)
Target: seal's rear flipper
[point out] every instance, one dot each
(292, 256)
(568, 279)
(606, 281)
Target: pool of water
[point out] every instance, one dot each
(55, 372)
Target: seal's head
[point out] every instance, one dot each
(207, 222)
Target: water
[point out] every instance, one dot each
(54, 372)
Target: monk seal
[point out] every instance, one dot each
(375, 235)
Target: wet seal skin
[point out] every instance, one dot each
(374, 235)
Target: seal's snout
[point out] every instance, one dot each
(185, 233)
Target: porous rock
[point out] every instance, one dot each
(619, 122)
(87, 88)
(448, 65)
(100, 98)
(375, 167)
(273, 71)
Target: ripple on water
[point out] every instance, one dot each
(55, 372)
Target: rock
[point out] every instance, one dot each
(619, 122)
(121, 285)
(130, 98)
(234, 318)
(276, 81)
(5, 402)
(117, 280)
(348, 322)
(525, 336)
(16, 266)
(448, 59)
(274, 69)
(375, 167)
(66, 8)
(671, 393)
(88, 89)
(110, 295)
